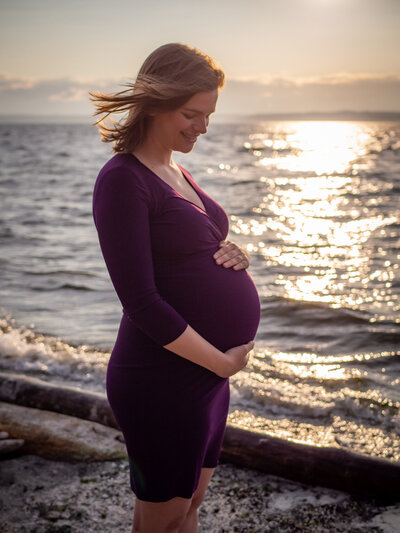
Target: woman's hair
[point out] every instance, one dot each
(168, 78)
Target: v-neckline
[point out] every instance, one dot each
(202, 209)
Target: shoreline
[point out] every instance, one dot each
(39, 496)
(42, 496)
(54, 420)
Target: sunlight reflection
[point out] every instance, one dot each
(324, 372)
(320, 147)
(318, 214)
(312, 358)
(341, 432)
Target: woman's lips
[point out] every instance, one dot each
(190, 138)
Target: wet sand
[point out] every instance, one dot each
(42, 496)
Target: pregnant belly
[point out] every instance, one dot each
(219, 303)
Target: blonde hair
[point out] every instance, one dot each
(168, 78)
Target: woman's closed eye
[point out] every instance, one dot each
(190, 116)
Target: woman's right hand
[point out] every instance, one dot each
(235, 359)
(197, 349)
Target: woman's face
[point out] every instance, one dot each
(178, 130)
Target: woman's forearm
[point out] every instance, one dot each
(197, 349)
(194, 347)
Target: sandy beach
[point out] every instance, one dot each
(42, 496)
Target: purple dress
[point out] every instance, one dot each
(158, 247)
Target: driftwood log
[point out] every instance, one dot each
(8, 445)
(330, 467)
(58, 436)
(33, 392)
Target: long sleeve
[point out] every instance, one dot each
(121, 210)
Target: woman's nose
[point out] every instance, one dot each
(201, 125)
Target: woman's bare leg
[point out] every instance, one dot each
(163, 517)
(136, 517)
(191, 523)
(179, 515)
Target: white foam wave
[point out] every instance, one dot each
(24, 351)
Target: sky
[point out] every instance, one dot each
(279, 56)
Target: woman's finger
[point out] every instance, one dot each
(228, 251)
(242, 265)
(228, 260)
(230, 255)
(224, 247)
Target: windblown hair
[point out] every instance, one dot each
(168, 78)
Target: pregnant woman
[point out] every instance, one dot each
(190, 310)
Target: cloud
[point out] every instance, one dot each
(51, 96)
(334, 92)
(9, 83)
(284, 94)
(71, 94)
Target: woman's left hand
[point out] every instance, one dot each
(230, 255)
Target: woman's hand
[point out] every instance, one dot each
(230, 255)
(235, 359)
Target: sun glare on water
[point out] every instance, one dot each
(321, 147)
(320, 209)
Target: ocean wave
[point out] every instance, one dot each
(24, 351)
(60, 272)
(64, 286)
(268, 388)
(319, 313)
(7, 181)
(355, 398)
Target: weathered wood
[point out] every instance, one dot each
(61, 437)
(10, 445)
(325, 466)
(331, 467)
(33, 392)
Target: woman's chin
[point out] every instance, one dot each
(185, 149)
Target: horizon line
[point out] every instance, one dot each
(262, 115)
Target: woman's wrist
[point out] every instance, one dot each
(219, 363)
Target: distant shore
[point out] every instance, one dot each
(378, 116)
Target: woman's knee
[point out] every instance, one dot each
(174, 524)
(197, 500)
(170, 525)
(200, 493)
(166, 517)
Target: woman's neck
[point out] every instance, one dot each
(154, 153)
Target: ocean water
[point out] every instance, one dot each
(317, 205)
